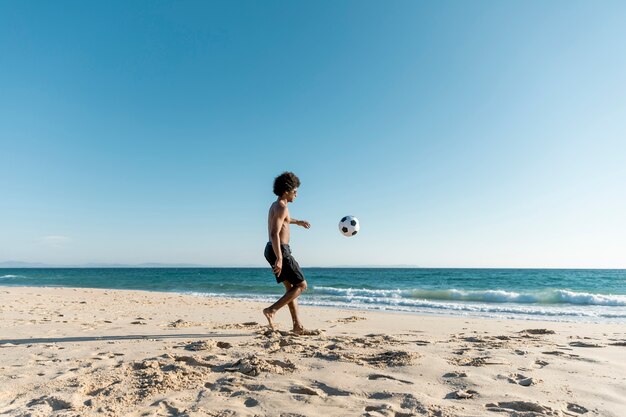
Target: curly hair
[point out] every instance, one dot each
(285, 182)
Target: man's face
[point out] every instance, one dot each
(291, 195)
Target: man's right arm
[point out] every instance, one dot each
(276, 224)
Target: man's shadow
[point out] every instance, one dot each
(123, 337)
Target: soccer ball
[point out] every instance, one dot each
(349, 226)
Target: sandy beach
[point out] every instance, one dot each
(84, 352)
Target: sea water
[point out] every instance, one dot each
(543, 294)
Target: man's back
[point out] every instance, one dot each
(278, 221)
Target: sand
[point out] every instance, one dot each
(87, 352)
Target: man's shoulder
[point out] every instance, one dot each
(278, 207)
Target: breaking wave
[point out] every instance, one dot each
(554, 296)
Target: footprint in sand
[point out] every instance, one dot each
(392, 358)
(381, 376)
(168, 408)
(54, 403)
(585, 344)
(461, 394)
(477, 362)
(181, 323)
(522, 380)
(350, 319)
(332, 391)
(556, 353)
(380, 396)
(224, 385)
(207, 345)
(192, 361)
(455, 374)
(383, 408)
(305, 391)
(245, 325)
(250, 402)
(253, 366)
(575, 408)
(570, 356)
(512, 407)
(538, 331)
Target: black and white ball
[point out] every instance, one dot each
(349, 226)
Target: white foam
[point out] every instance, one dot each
(450, 308)
(549, 296)
(351, 292)
(591, 299)
(482, 309)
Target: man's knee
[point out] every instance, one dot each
(301, 285)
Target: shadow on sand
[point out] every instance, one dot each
(124, 337)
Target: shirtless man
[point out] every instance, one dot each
(278, 253)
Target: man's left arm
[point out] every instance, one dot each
(302, 223)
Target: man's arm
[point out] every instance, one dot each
(276, 224)
(302, 223)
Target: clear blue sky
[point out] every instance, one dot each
(460, 133)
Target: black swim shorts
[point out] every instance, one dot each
(291, 271)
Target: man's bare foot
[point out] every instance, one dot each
(301, 331)
(269, 314)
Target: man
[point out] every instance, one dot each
(278, 253)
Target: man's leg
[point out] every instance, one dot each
(293, 291)
(293, 309)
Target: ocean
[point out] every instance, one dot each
(539, 294)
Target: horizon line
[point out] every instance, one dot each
(157, 265)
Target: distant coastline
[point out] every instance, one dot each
(37, 265)
(18, 265)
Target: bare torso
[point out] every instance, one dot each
(276, 209)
